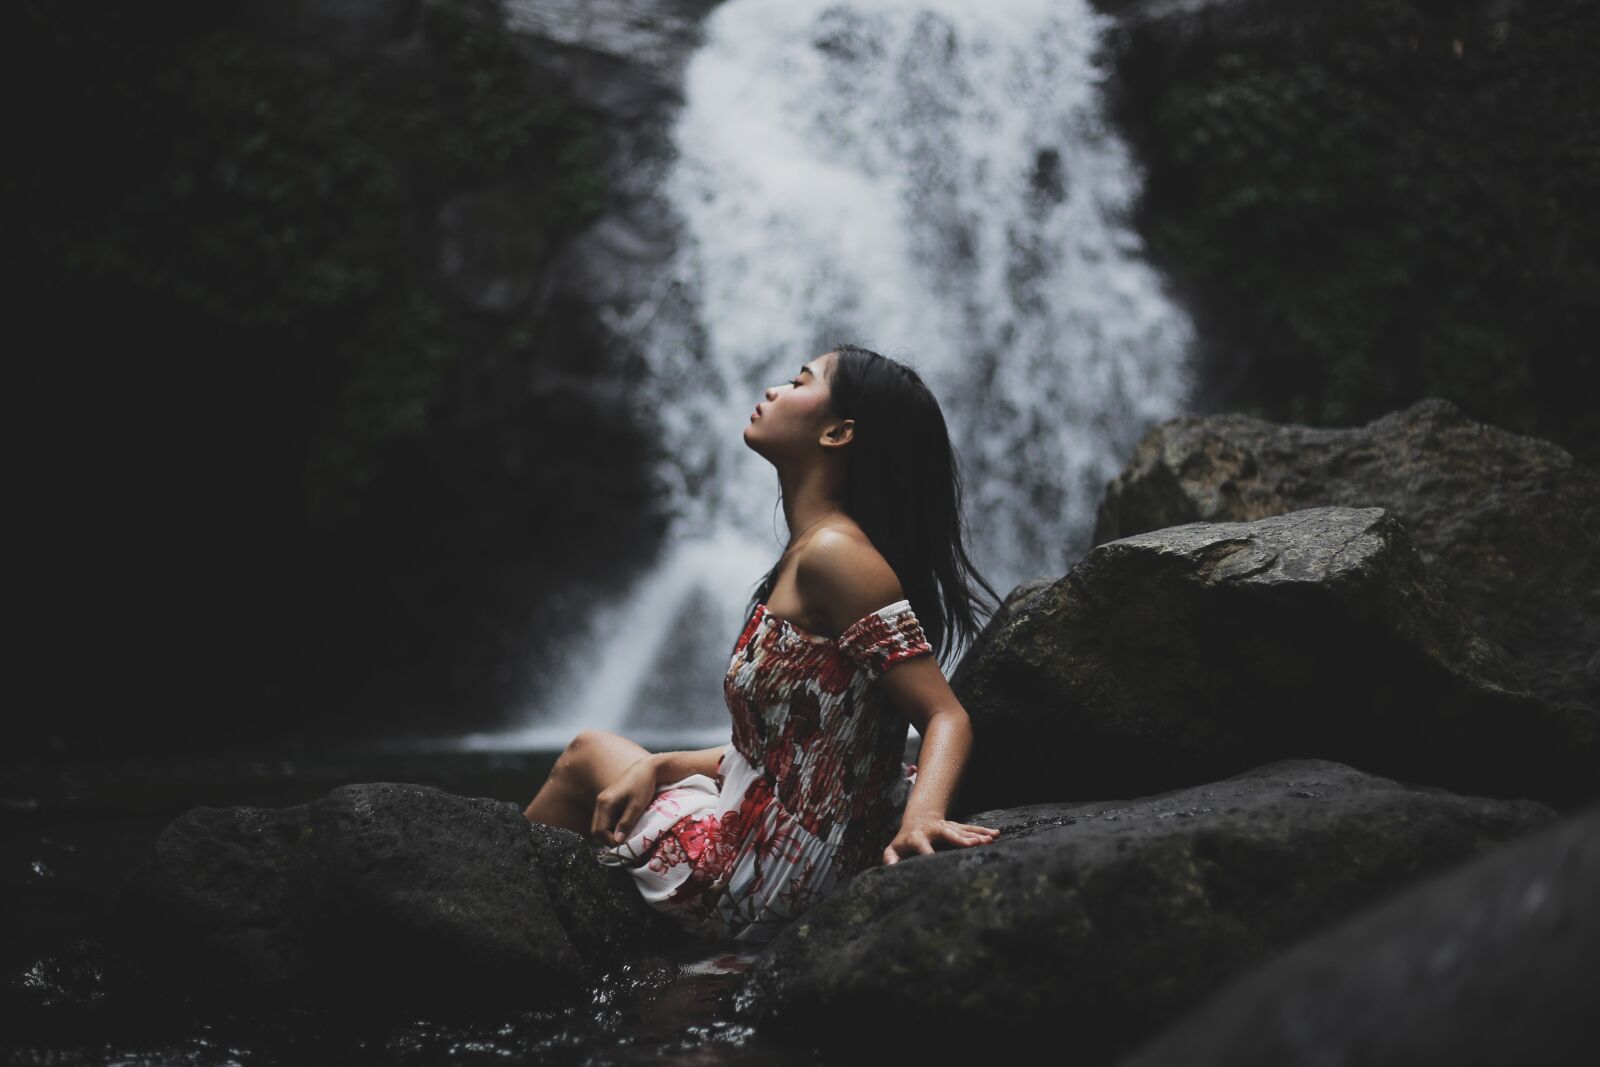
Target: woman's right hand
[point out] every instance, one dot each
(619, 805)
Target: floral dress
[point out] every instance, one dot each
(809, 791)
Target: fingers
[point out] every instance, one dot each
(976, 834)
(920, 842)
(917, 844)
(604, 817)
(630, 815)
(966, 835)
(914, 848)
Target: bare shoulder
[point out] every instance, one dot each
(842, 577)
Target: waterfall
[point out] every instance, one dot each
(933, 179)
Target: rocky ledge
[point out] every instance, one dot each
(1491, 963)
(382, 892)
(1104, 920)
(1185, 654)
(1507, 525)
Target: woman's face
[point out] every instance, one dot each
(789, 420)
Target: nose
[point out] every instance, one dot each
(772, 391)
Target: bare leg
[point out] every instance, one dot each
(593, 760)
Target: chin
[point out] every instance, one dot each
(750, 444)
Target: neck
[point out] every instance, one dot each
(811, 495)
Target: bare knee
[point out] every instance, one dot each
(593, 759)
(572, 769)
(580, 747)
(569, 785)
(590, 739)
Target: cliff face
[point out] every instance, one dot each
(1366, 203)
(327, 429)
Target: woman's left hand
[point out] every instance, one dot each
(918, 835)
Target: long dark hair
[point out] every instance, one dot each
(903, 488)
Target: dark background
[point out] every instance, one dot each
(281, 468)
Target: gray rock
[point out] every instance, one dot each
(1510, 525)
(1008, 607)
(493, 243)
(1089, 925)
(1492, 963)
(646, 45)
(400, 893)
(1193, 652)
(624, 62)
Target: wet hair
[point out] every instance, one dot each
(903, 488)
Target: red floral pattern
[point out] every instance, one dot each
(809, 791)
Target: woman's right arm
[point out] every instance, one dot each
(620, 803)
(618, 806)
(673, 766)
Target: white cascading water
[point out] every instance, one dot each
(935, 180)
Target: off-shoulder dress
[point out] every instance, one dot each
(808, 792)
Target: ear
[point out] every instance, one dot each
(838, 434)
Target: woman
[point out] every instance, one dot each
(832, 664)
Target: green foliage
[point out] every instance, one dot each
(1388, 201)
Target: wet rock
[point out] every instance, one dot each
(1193, 652)
(1091, 924)
(1008, 608)
(599, 907)
(493, 243)
(384, 891)
(624, 62)
(622, 57)
(1509, 525)
(1494, 962)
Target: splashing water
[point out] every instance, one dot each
(933, 179)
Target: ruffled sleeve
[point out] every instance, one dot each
(884, 638)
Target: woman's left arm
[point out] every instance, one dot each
(845, 578)
(918, 690)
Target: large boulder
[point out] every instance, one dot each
(1509, 525)
(1495, 962)
(1193, 652)
(401, 893)
(1090, 925)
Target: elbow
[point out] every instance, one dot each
(950, 717)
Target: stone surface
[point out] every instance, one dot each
(1491, 963)
(624, 62)
(399, 892)
(1510, 525)
(633, 52)
(493, 243)
(1090, 925)
(1193, 652)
